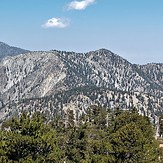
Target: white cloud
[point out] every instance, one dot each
(56, 23)
(80, 5)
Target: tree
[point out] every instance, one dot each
(133, 139)
(128, 143)
(142, 122)
(99, 147)
(76, 144)
(101, 135)
(29, 139)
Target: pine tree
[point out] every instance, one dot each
(29, 139)
(133, 139)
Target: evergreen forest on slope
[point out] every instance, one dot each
(100, 135)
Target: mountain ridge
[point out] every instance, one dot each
(6, 50)
(48, 74)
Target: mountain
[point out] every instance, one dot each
(154, 73)
(57, 80)
(6, 50)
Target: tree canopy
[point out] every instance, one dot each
(100, 135)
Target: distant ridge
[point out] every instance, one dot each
(6, 50)
(54, 81)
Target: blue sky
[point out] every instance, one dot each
(132, 29)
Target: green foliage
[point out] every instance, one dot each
(29, 139)
(141, 121)
(128, 143)
(133, 139)
(100, 135)
(161, 154)
(76, 145)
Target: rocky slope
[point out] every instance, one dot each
(154, 73)
(28, 80)
(80, 99)
(6, 50)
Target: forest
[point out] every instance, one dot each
(99, 135)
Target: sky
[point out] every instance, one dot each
(132, 29)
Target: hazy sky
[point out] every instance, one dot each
(132, 29)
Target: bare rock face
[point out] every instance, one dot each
(154, 72)
(57, 80)
(31, 75)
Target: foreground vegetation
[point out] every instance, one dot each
(98, 136)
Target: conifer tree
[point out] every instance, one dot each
(29, 139)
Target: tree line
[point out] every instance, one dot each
(99, 135)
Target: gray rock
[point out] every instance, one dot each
(56, 80)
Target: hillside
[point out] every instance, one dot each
(45, 81)
(6, 50)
